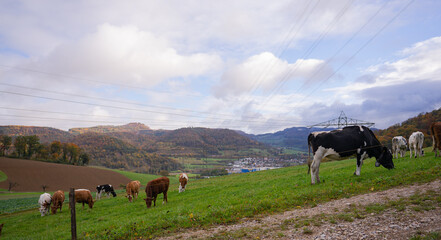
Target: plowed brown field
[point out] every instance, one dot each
(31, 175)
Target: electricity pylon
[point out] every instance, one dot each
(342, 121)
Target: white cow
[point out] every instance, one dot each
(399, 145)
(44, 202)
(416, 141)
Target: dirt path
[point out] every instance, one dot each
(385, 224)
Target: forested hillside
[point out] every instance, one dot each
(138, 148)
(46, 134)
(419, 123)
(112, 152)
(131, 127)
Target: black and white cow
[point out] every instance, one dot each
(106, 188)
(416, 141)
(399, 146)
(350, 141)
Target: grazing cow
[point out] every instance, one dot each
(416, 141)
(344, 143)
(435, 129)
(183, 179)
(57, 201)
(106, 188)
(155, 187)
(44, 202)
(84, 196)
(399, 145)
(132, 189)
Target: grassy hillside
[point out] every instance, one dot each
(222, 200)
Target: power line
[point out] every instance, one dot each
(94, 81)
(358, 51)
(36, 118)
(112, 100)
(288, 75)
(257, 83)
(100, 105)
(121, 108)
(343, 46)
(111, 116)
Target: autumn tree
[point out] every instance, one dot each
(56, 149)
(71, 153)
(5, 143)
(20, 146)
(33, 145)
(84, 159)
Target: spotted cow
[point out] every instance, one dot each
(350, 141)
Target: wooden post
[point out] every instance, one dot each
(73, 219)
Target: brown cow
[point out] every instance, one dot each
(132, 189)
(84, 196)
(155, 187)
(435, 129)
(183, 179)
(57, 201)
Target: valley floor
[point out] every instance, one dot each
(399, 213)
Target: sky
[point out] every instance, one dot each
(247, 65)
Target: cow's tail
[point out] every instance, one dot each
(309, 154)
(432, 131)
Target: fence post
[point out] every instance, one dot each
(73, 219)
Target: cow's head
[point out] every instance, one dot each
(113, 193)
(44, 208)
(385, 159)
(91, 203)
(129, 197)
(148, 201)
(54, 209)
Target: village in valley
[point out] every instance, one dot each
(253, 164)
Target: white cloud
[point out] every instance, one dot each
(126, 55)
(266, 71)
(420, 62)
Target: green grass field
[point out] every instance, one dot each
(3, 176)
(221, 200)
(202, 163)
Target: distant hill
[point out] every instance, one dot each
(131, 127)
(46, 134)
(295, 137)
(137, 147)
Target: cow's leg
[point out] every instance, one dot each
(165, 198)
(98, 195)
(154, 201)
(315, 165)
(360, 159)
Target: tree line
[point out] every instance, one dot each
(29, 147)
